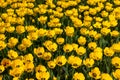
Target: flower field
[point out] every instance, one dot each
(59, 39)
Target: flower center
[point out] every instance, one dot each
(94, 74)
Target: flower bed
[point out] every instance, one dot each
(59, 39)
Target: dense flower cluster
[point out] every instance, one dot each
(59, 40)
